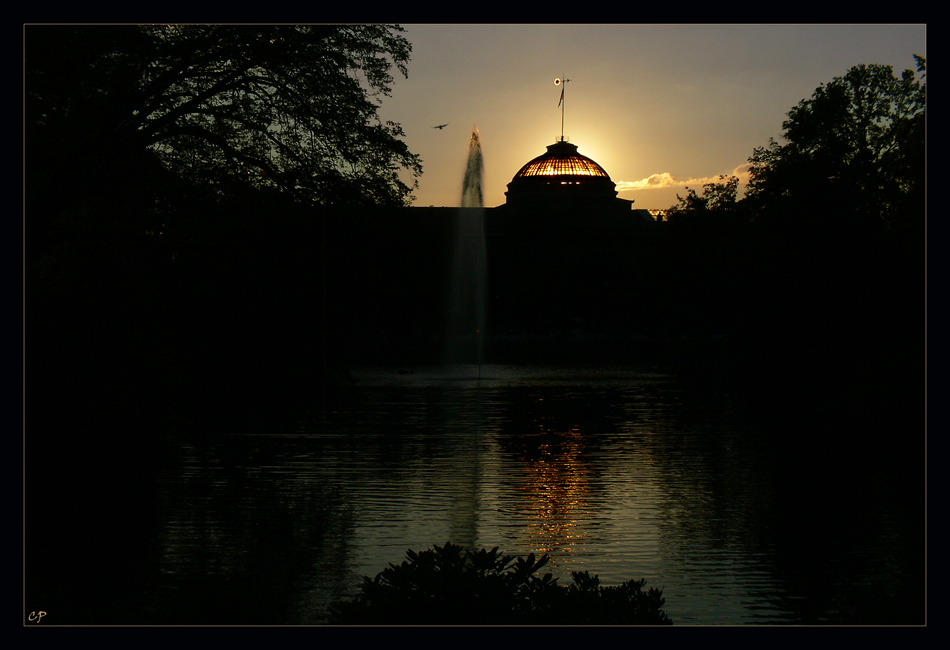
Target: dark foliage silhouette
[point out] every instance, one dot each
(718, 206)
(447, 585)
(151, 112)
(855, 148)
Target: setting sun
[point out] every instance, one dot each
(659, 107)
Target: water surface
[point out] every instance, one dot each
(628, 473)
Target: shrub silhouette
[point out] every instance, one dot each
(450, 586)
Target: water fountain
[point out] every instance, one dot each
(466, 321)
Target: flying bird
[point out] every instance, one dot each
(441, 126)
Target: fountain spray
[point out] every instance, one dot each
(467, 304)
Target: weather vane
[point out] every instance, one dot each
(563, 83)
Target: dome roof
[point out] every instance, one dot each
(561, 159)
(563, 180)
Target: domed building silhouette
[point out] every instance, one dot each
(562, 179)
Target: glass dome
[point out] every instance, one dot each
(562, 181)
(561, 159)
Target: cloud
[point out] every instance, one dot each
(665, 180)
(654, 182)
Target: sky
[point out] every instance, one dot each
(660, 107)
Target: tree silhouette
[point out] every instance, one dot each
(220, 107)
(717, 197)
(856, 147)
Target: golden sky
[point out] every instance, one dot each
(659, 107)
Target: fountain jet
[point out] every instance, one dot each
(466, 327)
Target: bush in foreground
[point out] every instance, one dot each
(450, 586)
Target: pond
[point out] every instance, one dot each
(626, 472)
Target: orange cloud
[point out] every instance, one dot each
(665, 180)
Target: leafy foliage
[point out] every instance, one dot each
(855, 147)
(452, 586)
(225, 107)
(717, 197)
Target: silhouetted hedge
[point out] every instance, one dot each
(450, 586)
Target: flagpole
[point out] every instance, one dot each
(561, 103)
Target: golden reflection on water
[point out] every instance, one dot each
(555, 489)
